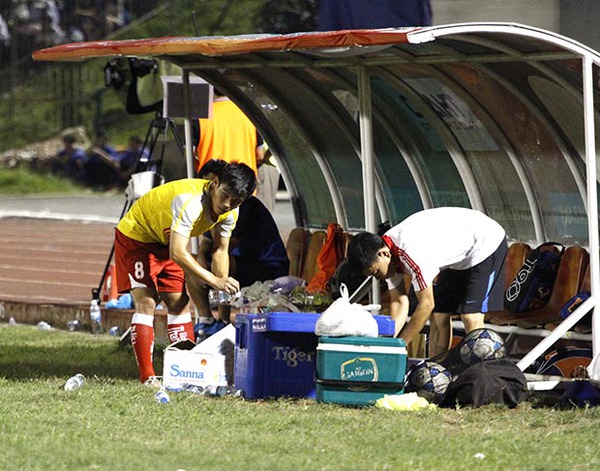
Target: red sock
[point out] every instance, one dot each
(180, 327)
(142, 339)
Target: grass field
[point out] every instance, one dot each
(22, 181)
(113, 423)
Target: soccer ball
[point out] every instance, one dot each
(429, 380)
(481, 345)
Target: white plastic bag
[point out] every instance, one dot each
(141, 183)
(344, 318)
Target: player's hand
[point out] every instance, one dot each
(229, 285)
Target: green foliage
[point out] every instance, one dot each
(49, 97)
(114, 423)
(212, 18)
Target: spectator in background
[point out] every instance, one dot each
(352, 14)
(40, 23)
(4, 33)
(103, 168)
(129, 158)
(116, 16)
(71, 161)
(51, 21)
(5, 38)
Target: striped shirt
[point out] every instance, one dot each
(435, 239)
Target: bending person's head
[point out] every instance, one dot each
(239, 178)
(211, 169)
(368, 254)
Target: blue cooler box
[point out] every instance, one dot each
(275, 353)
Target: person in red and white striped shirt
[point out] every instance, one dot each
(461, 249)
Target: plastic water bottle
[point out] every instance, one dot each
(162, 397)
(115, 331)
(74, 382)
(95, 316)
(73, 325)
(193, 388)
(42, 325)
(219, 391)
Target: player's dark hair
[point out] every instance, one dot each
(239, 179)
(212, 166)
(362, 250)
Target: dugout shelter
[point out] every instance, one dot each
(374, 125)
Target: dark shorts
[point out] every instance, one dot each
(477, 289)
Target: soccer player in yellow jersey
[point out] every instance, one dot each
(153, 261)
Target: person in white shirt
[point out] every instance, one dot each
(4, 33)
(455, 259)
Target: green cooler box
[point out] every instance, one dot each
(359, 370)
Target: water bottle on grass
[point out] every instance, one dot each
(162, 397)
(95, 316)
(219, 391)
(74, 382)
(73, 325)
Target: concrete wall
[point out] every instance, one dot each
(576, 19)
(579, 20)
(543, 14)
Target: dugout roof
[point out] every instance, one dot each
(374, 125)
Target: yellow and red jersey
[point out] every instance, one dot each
(180, 206)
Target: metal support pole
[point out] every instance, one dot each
(592, 206)
(366, 151)
(556, 334)
(187, 126)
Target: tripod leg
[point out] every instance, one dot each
(96, 291)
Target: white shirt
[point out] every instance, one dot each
(435, 239)
(4, 32)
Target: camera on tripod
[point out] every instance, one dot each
(137, 81)
(117, 70)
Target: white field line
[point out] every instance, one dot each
(60, 216)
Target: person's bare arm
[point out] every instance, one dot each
(419, 318)
(179, 253)
(220, 255)
(399, 305)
